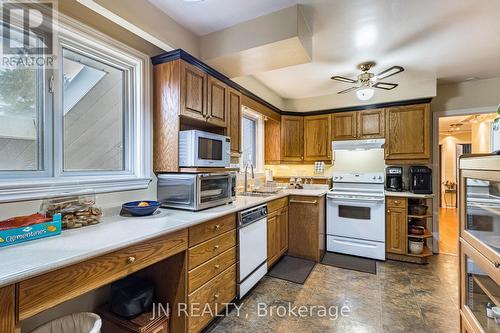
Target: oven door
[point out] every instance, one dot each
(213, 190)
(356, 218)
(211, 150)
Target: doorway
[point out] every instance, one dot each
(458, 135)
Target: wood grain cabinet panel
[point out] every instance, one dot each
(306, 227)
(208, 230)
(273, 238)
(8, 318)
(48, 290)
(193, 91)
(283, 227)
(272, 149)
(292, 138)
(215, 295)
(207, 271)
(317, 138)
(344, 126)
(277, 204)
(217, 110)
(396, 230)
(234, 125)
(408, 133)
(371, 124)
(210, 249)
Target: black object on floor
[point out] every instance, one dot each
(292, 269)
(350, 262)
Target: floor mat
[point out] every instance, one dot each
(292, 269)
(350, 262)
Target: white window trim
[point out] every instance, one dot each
(30, 186)
(259, 144)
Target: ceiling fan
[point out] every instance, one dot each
(366, 81)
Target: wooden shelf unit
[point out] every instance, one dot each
(427, 234)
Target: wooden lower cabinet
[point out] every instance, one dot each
(277, 235)
(396, 230)
(8, 321)
(306, 227)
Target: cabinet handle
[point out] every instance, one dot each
(217, 227)
(301, 157)
(217, 266)
(216, 296)
(304, 202)
(130, 260)
(396, 202)
(216, 247)
(497, 264)
(388, 211)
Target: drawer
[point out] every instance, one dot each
(216, 293)
(203, 252)
(203, 273)
(45, 291)
(396, 202)
(205, 231)
(277, 204)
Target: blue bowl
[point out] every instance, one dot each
(135, 210)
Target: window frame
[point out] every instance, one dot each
(259, 138)
(26, 185)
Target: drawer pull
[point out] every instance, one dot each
(217, 227)
(216, 296)
(130, 260)
(497, 264)
(216, 247)
(217, 266)
(304, 202)
(396, 202)
(388, 211)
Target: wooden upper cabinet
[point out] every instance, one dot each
(217, 110)
(371, 124)
(344, 126)
(234, 126)
(317, 144)
(408, 133)
(272, 136)
(193, 92)
(292, 138)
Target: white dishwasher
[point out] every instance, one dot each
(252, 248)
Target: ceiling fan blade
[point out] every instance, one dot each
(385, 85)
(348, 90)
(343, 79)
(389, 72)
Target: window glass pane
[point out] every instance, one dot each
(93, 121)
(249, 130)
(21, 106)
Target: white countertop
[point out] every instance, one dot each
(22, 261)
(407, 194)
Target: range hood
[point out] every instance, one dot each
(356, 145)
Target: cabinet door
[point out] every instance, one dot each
(283, 220)
(273, 235)
(303, 227)
(408, 132)
(8, 317)
(292, 138)
(344, 126)
(217, 112)
(272, 137)
(396, 230)
(193, 92)
(234, 104)
(317, 144)
(371, 124)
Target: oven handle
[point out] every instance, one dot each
(348, 200)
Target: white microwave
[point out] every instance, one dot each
(204, 149)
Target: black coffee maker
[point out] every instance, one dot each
(421, 180)
(394, 178)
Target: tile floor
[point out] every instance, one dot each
(402, 297)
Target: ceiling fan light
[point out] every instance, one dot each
(365, 94)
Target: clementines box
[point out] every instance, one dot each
(32, 232)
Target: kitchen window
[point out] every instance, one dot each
(252, 139)
(83, 124)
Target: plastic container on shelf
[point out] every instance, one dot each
(83, 322)
(77, 210)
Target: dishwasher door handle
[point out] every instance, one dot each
(304, 202)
